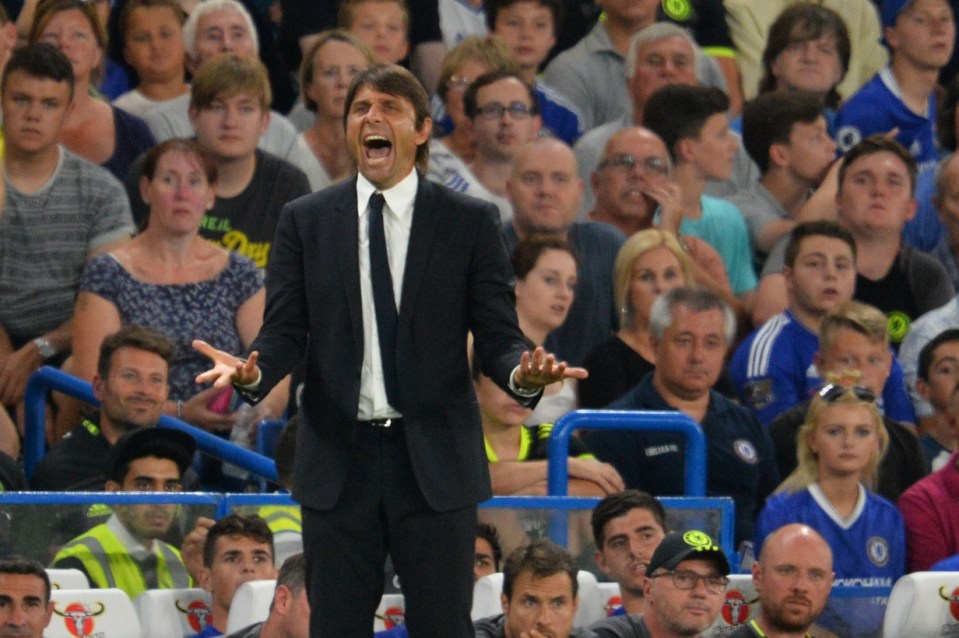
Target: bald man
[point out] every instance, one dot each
(793, 577)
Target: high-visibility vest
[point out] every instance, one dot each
(109, 563)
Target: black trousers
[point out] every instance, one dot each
(380, 512)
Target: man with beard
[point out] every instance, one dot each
(125, 552)
(131, 385)
(793, 577)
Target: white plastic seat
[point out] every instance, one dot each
(610, 596)
(251, 604)
(67, 579)
(741, 605)
(80, 613)
(172, 613)
(390, 612)
(923, 604)
(487, 590)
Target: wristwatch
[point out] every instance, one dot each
(45, 348)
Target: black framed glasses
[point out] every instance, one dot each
(495, 110)
(684, 579)
(834, 391)
(626, 163)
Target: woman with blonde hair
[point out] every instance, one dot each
(650, 263)
(328, 68)
(839, 447)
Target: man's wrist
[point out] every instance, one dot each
(254, 385)
(523, 392)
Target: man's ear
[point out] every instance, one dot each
(504, 602)
(206, 581)
(112, 486)
(282, 599)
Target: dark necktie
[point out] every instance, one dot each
(383, 301)
(148, 567)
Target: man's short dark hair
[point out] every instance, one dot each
(25, 567)
(163, 443)
(251, 526)
(621, 504)
(805, 22)
(929, 350)
(769, 119)
(292, 574)
(879, 144)
(542, 558)
(823, 228)
(493, 7)
(133, 336)
(40, 60)
(488, 533)
(396, 81)
(470, 106)
(678, 112)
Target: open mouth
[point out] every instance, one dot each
(377, 147)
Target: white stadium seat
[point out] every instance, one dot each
(105, 613)
(173, 613)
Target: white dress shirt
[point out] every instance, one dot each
(397, 221)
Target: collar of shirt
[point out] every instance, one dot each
(133, 544)
(399, 198)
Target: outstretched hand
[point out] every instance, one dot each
(227, 369)
(541, 369)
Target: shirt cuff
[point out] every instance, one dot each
(251, 387)
(523, 392)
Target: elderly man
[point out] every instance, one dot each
(539, 595)
(591, 73)
(793, 577)
(627, 528)
(216, 28)
(546, 193)
(633, 181)
(25, 607)
(684, 587)
(659, 55)
(691, 330)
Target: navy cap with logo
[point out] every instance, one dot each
(691, 545)
(163, 443)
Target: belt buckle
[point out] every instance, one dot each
(381, 423)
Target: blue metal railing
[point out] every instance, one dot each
(47, 378)
(695, 473)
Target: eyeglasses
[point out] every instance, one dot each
(834, 391)
(687, 580)
(495, 110)
(626, 163)
(459, 82)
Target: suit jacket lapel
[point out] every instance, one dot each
(422, 234)
(347, 259)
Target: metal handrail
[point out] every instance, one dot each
(47, 378)
(695, 473)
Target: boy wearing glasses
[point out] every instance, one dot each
(854, 342)
(126, 552)
(685, 588)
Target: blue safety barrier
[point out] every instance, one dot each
(558, 478)
(47, 378)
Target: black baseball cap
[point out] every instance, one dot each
(163, 443)
(694, 544)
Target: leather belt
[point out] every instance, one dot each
(382, 423)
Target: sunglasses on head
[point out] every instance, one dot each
(832, 392)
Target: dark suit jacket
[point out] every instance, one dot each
(457, 279)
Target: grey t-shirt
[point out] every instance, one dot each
(46, 237)
(628, 626)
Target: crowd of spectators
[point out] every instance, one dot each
(748, 214)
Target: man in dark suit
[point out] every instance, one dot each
(391, 458)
